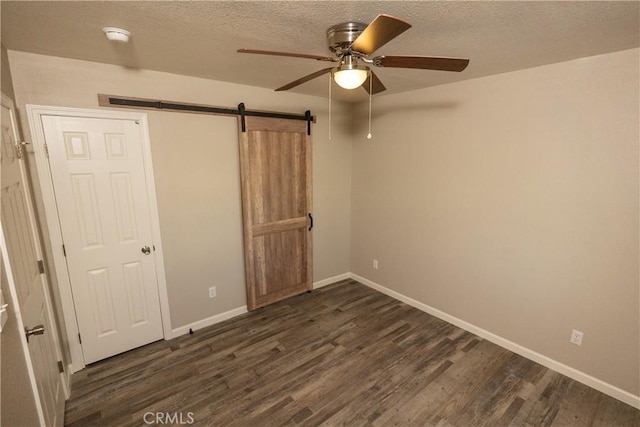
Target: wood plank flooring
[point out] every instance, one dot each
(343, 355)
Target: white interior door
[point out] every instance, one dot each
(33, 309)
(97, 169)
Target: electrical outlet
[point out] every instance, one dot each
(212, 292)
(375, 264)
(576, 337)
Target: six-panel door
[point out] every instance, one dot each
(99, 182)
(20, 235)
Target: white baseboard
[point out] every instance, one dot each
(66, 381)
(552, 364)
(546, 361)
(331, 280)
(182, 330)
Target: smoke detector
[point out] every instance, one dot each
(116, 34)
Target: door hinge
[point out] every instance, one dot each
(79, 338)
(41, 266)
(18, 149)
(46, 150)
(64, 251)
(60, 366)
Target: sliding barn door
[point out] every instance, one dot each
(275, 168)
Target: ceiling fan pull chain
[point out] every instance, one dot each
(330, 78)
(370, 95)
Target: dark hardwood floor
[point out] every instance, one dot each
(342, 355)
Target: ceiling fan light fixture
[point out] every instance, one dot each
(350, 76)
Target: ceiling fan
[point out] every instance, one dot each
(352, 43)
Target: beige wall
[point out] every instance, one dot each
(195, 159)
(512, 202)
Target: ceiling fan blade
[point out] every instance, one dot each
(375, 85)
(305, 79)
(422, 62)
(291, 54)
(379, 32)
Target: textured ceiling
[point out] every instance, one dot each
(200, 38)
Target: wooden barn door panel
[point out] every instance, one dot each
(275, 168)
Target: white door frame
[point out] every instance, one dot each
(34, 114)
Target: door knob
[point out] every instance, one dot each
(36, 330)
(146, 250)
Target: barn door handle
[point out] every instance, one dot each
(36, 330)
(310, 222)
(146, 250)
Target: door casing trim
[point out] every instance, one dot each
(34, 116)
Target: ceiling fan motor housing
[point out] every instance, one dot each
(341, 36)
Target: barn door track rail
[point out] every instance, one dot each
(182, 107)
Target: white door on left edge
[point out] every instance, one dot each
(97, 167)
(30, 298)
